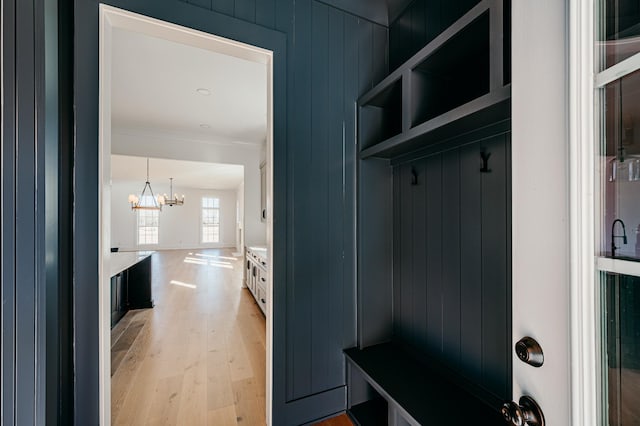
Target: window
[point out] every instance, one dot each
(148, 224)
(618, 230)
(210, 220)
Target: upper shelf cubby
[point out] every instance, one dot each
(453, 86)
(383, 113)
(454, 74)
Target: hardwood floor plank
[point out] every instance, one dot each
(225, 416)
(341, 420)
(197, 357)
(166, 402)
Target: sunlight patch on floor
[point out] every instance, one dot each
(216, 257)
(181, 284)
(205, 262)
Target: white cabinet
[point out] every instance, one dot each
(256, 277)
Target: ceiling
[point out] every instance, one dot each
(154, 89)
(186, 174)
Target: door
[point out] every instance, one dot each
(576, 215)
(541, 211)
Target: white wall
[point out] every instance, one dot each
(179, 225)
(143, 144)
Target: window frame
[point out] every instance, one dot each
(216, 200)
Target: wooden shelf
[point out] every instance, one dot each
(418, 394)
(452, 86)
(489, 109)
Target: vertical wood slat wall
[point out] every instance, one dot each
(22, 212)
(452, 289)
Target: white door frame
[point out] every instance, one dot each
(586, 380)
(111, 17)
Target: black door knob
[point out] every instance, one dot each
(526, 413)
(530, 351)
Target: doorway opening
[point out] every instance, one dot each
(199, 107)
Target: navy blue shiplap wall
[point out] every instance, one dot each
(22, 211)
(419, 23)
(452, 268)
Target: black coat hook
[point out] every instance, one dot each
(414, 176)
(485, 162)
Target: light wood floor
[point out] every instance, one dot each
(341, 420)
(197, 357)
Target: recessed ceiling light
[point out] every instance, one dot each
(203, 91)
(205, 126)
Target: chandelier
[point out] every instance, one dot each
(146, 201)
(175, 201)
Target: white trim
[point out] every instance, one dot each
(584, 322)
(618, 70)
(104, 221)
(111, 17)
(619, 266)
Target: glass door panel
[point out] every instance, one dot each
(621, 298)
(620, 31)
(620, 231)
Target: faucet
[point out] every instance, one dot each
(614, 236)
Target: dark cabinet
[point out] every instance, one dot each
(119, 305)
(131, 289)
(139, 285)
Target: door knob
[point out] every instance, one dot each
(526, 413)
(530, 351)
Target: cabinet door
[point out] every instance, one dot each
(263, 192)
(123, 299)
(254, 277)
(247, 271)
(262, 278)
(114, 300)
(261, 298)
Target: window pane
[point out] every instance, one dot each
(620, 229)
(210, 234)
(619, 30)
(621, 311)
(207, 216)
